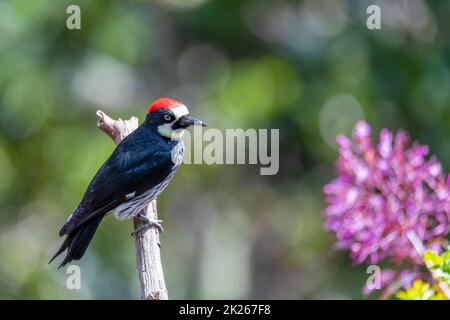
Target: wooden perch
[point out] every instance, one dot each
(148, 257)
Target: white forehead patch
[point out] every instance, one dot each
(180, 111)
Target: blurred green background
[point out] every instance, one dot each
(310, 68)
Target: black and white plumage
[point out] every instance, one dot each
(137, 171)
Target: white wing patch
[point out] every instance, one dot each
(130, 195)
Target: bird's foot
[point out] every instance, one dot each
(148, 223)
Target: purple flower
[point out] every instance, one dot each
(389, 202)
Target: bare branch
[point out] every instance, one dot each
(116, 129)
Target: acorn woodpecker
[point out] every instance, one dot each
(137, 171)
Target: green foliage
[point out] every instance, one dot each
(420, 289)
(439, 263)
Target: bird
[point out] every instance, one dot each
(138, 170)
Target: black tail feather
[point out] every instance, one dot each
(63, 247)
(77, 241)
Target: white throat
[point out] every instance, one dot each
(166, 131)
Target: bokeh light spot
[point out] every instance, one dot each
(338, 115)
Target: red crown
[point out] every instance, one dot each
(162, 103)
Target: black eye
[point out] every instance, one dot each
(168, 118)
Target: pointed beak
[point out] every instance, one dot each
(187, 121)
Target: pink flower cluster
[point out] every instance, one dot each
(389, 202)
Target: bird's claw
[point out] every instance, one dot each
(148, 224)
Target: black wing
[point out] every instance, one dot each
(130, 169)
